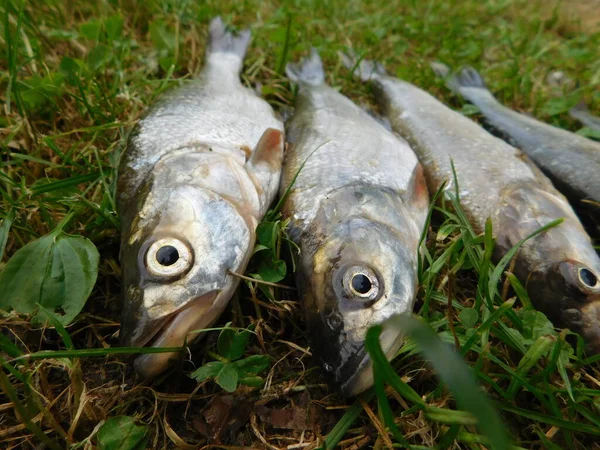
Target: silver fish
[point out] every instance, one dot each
(357, 210)
(582, 113)
(199, 172)
(558, 267)
(570, 160)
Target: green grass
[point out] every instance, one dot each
(75, 77)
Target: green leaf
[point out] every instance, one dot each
(91, 30)
(163, 37)
(266, 233)
(114, 27)
(536, 325)
(4, 229)
(98, 57)
(450, 416)
(37, 91)
(259, 248)
(344, 424)
(453, 371)
(252, 381)
(468, 317)
(64, 334)
(589, 133)
(208, 370)
(560, 105)
(72, 69)
(252, 365)
(538, 350)
(57, 271)
(8, 347)
(272, 271)
(519, 290)
(227, 377)
(232, 343)
(121, 433)
(445, 231)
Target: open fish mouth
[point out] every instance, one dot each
(357, 378)
(173, 331)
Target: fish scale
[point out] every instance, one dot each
(357, 207)
(200, 171)
(558, 267)
(570, 160)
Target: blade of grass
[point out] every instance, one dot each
(453, 371)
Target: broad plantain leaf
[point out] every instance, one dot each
(121, 433)
(4, 229)
(57, 271)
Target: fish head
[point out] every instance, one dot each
(362, 274)
(176, 264)
(572, 289)
(560, 267)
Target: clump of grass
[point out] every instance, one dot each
(77, 75)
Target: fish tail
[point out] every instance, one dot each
(580, 107)
(307, 71)
(466, 78)
(365, 69)
(222, 41)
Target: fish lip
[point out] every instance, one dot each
(361, 378)
(590, 323)
(165, 333)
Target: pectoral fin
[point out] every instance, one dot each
(418, 189)
(265, 164)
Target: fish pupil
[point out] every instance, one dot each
(361, 283)
(588, 278)
(167, 255)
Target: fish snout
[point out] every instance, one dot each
(351, 370)
(590, 324)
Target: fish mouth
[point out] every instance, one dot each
(173, 331)
(355, 378)
(590, 324)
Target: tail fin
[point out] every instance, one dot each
(580, 107)
(222, 41)
(466, 78)
(364, 68)
(307, 71)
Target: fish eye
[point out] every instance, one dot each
(167, 258)
(361, 283)
(587, 277)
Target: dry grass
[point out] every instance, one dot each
(60, 124)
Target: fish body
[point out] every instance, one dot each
(571, 161)
(582, 113)
(199, 172)
(357, 210)
(559, 267)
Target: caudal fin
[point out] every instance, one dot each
(363, 68)
(580, 107)
(222, 41)
(307, 71)
(466, 78)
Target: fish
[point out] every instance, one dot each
(559, 266)
(199, 172)
(582, 113)
(356, 201)
(571, 161)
